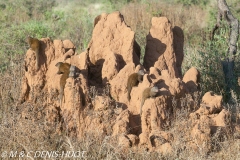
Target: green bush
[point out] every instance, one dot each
(13, 39)
(208, 62)
(207, 57)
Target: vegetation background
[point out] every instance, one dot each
(73, 19)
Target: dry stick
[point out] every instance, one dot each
(228, 63)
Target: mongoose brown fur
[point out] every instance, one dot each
(148, 92)
(133, 80)
(34, 45)
(96, 20)
(64, 69)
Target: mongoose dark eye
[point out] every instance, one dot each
(59, 72)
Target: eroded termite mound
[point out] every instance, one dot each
(96, 94)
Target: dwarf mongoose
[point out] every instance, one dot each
(34, 45)
(133, 80)
(96, 20)
(64, 69)
(148, 92)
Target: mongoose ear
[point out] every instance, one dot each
(58, 64)
(141, 72)
(154, 89)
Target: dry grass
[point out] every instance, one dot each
(138, 16)
(26, 128)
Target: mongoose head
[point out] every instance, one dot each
(29, 40)
(154, 91)
(72, 71)
(62, 67)
(141, 72)
(59, 64)
(34, 44)
(140, 75)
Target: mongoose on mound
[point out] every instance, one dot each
(34, 45)
(96, 20)
(148, 92)
(64, 69)
(133, 80)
